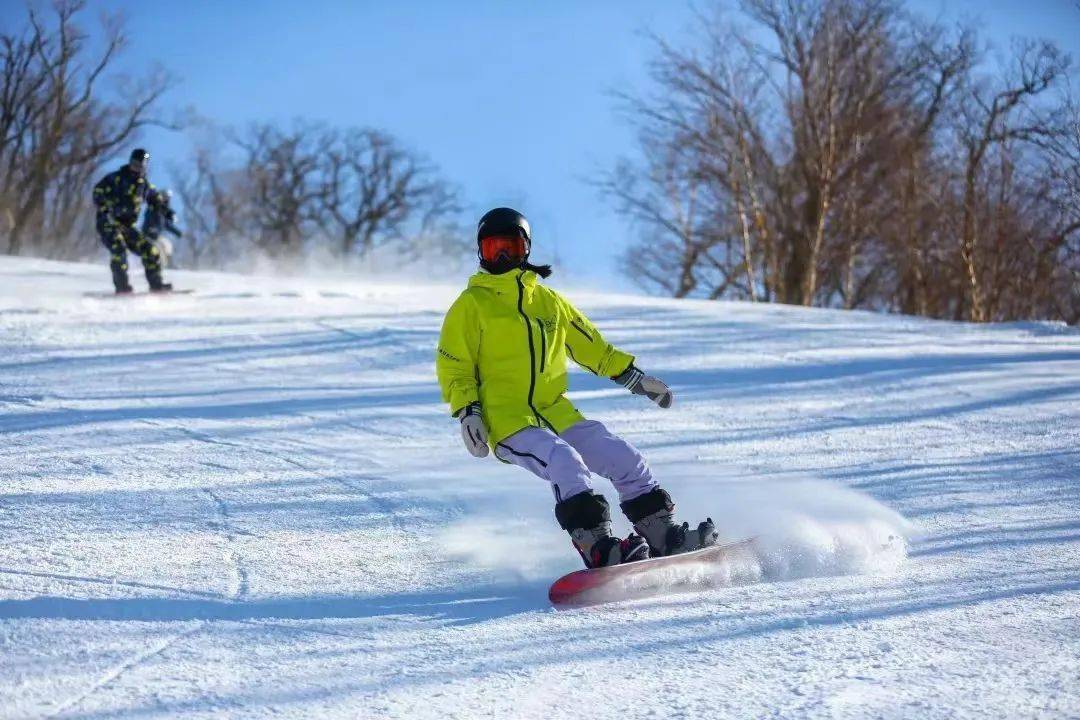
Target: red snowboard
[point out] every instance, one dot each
(705, 566)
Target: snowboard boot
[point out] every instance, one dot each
(153, 279)
(588, 520)
(652, 515)
(120, 282)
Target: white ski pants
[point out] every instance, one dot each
(566, 460)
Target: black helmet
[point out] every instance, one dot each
(139, 161)
(503, 221)
(506, 222)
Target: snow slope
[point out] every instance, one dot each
(250, 502)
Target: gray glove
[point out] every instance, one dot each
(473, 431)
(639, 383)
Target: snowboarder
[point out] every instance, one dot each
(160, 216)
(118, 198)
(501, 364)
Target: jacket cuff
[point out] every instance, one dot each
(630, 377)
(614, 363)
(472, 408)
(459, 397)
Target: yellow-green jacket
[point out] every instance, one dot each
(504, 343)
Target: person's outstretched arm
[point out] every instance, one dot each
(588, 349)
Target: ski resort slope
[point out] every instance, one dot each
(250, 502)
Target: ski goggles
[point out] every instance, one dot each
(495, 246)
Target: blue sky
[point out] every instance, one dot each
(512, 100)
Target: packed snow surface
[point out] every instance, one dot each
(250, 501)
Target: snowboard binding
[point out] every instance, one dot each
(587, 518)
(610, 550)
(652, 516)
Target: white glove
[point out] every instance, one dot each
(651, 387)
(165, 250)
(473, 431)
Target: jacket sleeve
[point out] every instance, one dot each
(458, 353)
(587, 346)
(102, 194)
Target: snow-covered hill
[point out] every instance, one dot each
(249, 502)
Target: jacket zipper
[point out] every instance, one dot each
(540, 419)
(543, 343)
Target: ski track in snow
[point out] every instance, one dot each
(250, 502)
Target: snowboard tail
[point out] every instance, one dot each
(700, 567)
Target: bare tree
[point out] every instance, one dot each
(668, 260)
(372, 190)
(1062, 175)
(214, 201)
(703, 159)
(847, 153)
(917, 186)
(995, 116)
(281, 170)
(308, 188)
(57, 127)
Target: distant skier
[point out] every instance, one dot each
(501, 363)
(118, 198)
(160, 216)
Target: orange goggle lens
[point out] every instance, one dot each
(491, 248)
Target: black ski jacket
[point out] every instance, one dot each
(119, 196)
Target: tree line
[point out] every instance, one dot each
(279, 192)
(288, 192)
(847, 153)
(841, 153)
(59, 122)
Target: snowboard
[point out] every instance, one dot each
(100, 294)
(618, 582)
